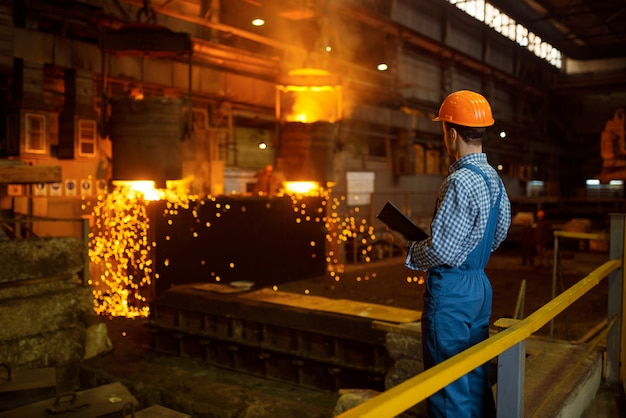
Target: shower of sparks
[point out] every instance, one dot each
(122, 251)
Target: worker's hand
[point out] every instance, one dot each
(398, 239)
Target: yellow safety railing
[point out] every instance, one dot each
(581, 235)
(409, 393)
(556, 259)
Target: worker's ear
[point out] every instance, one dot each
(454, 135)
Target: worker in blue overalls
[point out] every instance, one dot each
(472, 218)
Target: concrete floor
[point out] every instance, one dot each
(194, 387)
(608, 403)
(210, 392)
(185, 385)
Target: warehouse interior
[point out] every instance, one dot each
(553, 115)
(197, 97)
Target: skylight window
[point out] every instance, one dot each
(508, 27)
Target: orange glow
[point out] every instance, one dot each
(144, 189)
(309, 188)
(120, 248)
(138, 189)
(309, 95)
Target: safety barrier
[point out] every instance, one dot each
(509, 345)
(556, 264)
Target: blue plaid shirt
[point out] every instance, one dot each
(461, 215)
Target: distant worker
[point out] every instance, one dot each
(268, 182)
(472, 218)
(543, 239)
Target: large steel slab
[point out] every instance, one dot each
(312, 341)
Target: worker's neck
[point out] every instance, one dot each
(464, 148)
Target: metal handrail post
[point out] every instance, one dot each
(510, 390)
(615, 338)
(555, 260)
(622, 322)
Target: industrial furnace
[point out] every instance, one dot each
(266, 241)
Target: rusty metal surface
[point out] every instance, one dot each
(146, 40)
(23, 379)
(191, 245)
(19, 387)
(29, 174)
(158, 411)
(100, 402)
(309, 347)
(341, 306)
(151, 128)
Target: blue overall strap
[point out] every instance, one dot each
(492, 221)
(477, 170)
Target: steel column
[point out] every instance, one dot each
(615, 338)
(511, 377)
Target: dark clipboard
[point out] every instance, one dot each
(395, 219)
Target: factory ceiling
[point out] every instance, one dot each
(588, 31)
(580, 29)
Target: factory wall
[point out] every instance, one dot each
(387, 126)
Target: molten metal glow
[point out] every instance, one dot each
(302, 187)
(138, 189)
(313, 104)
(314, 95)
(121, 250)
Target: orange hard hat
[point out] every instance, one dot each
(466, 108)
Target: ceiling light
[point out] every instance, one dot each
(382, 67)
(258, 22)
